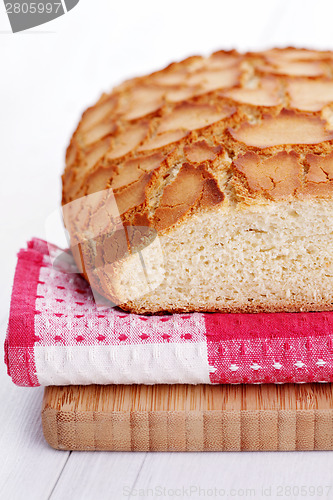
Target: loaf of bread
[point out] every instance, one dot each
(208, 186)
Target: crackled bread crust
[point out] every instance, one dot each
(224, 134)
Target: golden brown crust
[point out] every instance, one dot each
(212, 111)
(277, 177)
(319, 176)
(193, 187)
(256, 306)
(287, 128)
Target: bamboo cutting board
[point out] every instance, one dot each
(189, 417)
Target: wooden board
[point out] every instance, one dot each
(189, 417)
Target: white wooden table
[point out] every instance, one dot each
(48, 76)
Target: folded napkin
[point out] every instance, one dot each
(57, 335)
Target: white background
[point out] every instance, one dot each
(48, 75)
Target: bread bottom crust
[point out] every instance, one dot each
(264, 307)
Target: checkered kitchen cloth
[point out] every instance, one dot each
(57, 335)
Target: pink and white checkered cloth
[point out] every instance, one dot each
(57, 336)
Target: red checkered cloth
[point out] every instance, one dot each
(57, 335)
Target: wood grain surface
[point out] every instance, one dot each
(189, 417)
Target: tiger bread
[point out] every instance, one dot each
(208, 186)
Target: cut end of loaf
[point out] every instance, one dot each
(267, 260)
(228, 160)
